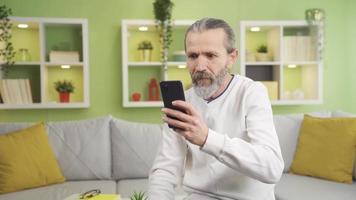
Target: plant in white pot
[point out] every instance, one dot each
(262, 53)
(7, 52)
(162, 10)
(145, 47)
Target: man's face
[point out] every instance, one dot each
(208, 60)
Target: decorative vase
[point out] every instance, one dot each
(24, 54)
(153, 94)
(64, 97)
(146, 55)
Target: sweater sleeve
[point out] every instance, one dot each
(167, 169)
(259, 156)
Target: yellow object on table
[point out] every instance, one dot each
(105, 197)
(97, 197)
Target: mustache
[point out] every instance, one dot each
(197, 76)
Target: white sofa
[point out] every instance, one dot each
(115, 156)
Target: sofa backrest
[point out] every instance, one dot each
(6, 127)
(287, 128)
(82, 148)
(109, 148)
(134, 148)
(345, 114)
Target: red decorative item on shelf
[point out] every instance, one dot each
(153, 94)
(136, 96)
(64, 97)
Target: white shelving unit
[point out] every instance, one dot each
(292, 71)
(142, 72)
(39, 38)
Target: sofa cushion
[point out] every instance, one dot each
(326, 148)
(287, 128)
(61, 191)
(295, 187)
(27, 160)
(346, 114)
(6, 127)
(134, 147)
(82, 148)
(126, 187)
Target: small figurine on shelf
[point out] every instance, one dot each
(145, 47)
(64, 88)
(136, 96)
(153, 94)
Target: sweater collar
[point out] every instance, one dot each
(228, 85)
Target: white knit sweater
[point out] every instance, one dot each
(241, 158)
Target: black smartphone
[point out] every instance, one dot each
(171, 91)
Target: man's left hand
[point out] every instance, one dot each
(189, 124)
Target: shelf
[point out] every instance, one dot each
(74, 64)
(263, 63)
(296, 102)
(27, 63)
(300, 63)
(55, 73)
(28, 38)
(44, 35)
(155, 64)
(136, 74)
(291, 73)
(144, 104)
(44, 106)
(63, 37)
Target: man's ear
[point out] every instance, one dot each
(232, 57)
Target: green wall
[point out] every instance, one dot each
(351, 55)
(105, 47)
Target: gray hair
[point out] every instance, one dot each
(213, 23)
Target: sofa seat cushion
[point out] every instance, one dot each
(82, 148)
(61, 191)
(126, 187)
(296, 187)
(134, 148)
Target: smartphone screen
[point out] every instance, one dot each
(171, 91)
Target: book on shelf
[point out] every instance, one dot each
(4, 92)
(299, 48)
(64, 56)
(16, 91)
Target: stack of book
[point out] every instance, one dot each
(15, 91)
(61, 56)
(299, 48)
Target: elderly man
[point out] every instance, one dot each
(225, 145)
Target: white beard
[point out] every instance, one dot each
(204, 91)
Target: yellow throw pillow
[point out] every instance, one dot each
(326, 148)
(27, 160)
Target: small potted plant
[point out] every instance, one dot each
(138, 196)
(64, 88)
(262, 53)
(145, 47)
